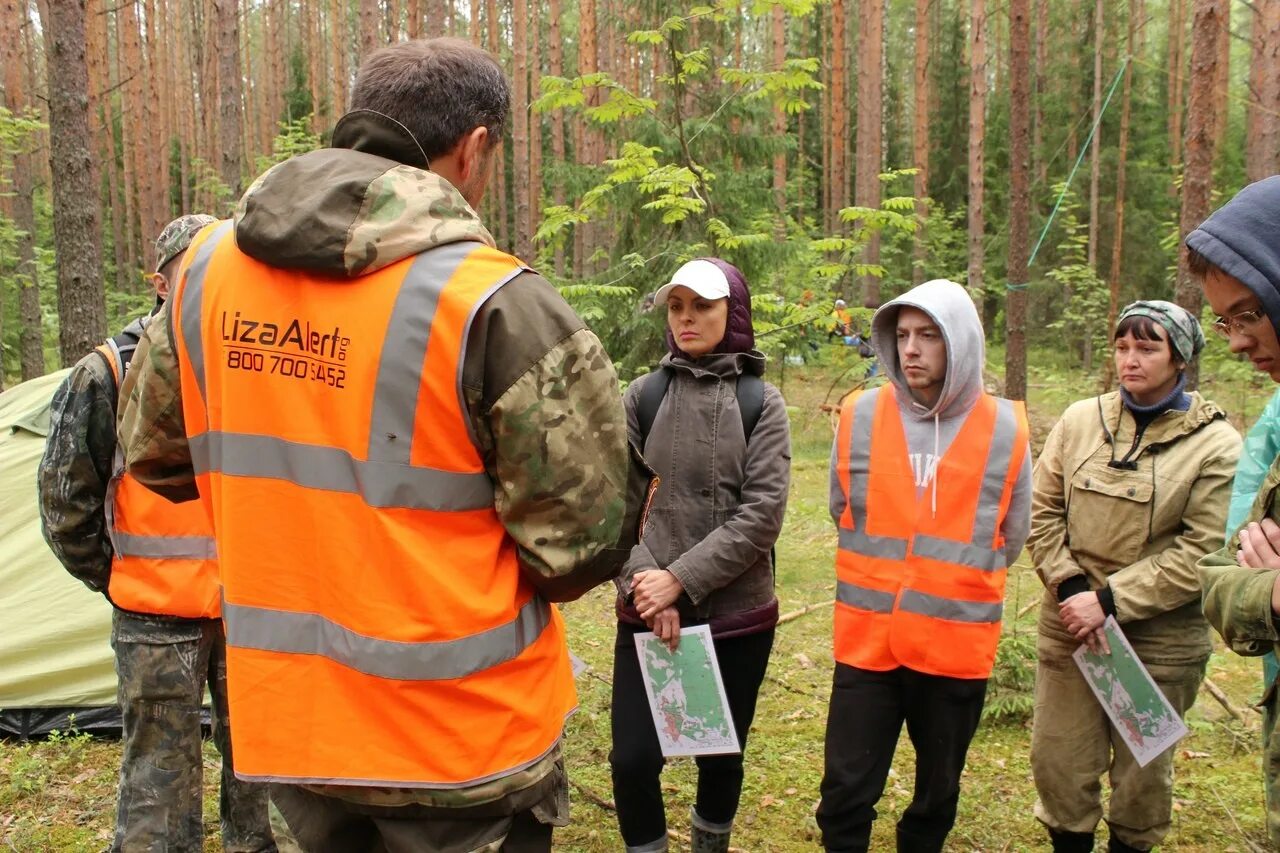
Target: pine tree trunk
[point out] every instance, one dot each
(870, 130)
(1117, 244)
(435, 24)
(1177, 65)
(1223, 79)
(1095, 147)
(338, 56)
(154, 151)
(557, 121)
(535, 124)
(13, 19)
(1198, 143)
(778, 35)
(920, 137)
(977, 132)
(1262, 138)
(520, 123)
(77, 207)
(1042, 89)
(227, 21)
(1015, 360)
(370, 37)
(839, 174)
(498, 194)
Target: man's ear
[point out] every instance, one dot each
(161, 284)
(471, 152)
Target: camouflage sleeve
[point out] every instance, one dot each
(561, 466)
(73, 475)
(1237, 602)
(153, 434)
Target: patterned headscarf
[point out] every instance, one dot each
(1185, 335)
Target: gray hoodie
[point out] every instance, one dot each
(930, 431)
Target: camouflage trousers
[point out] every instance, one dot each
(1073, 744)
(163, 668)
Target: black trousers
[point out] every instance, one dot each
(636, 758)
(866, 716)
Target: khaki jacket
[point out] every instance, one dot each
(1140, 531)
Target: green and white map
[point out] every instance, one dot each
(686, 694)
(1140, 712)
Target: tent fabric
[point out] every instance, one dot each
(56, 663)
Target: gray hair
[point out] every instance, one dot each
(440, 89)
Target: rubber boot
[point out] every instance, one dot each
(1115, 845)
(708, 837)
(1071, 842)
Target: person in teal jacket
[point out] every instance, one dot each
(1261, 446)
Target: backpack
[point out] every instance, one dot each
(750, 393)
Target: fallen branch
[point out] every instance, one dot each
(1024, 611)
(808, 608)
(1216, 692)
(593, 797)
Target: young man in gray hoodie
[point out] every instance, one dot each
(930, 491)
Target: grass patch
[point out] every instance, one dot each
(60, 794)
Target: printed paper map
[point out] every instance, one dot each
(1139, 711)
(686, 694)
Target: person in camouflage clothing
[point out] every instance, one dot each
(162, 663)
(1235, 255)
(540, 393)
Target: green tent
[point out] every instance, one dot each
(56, 664)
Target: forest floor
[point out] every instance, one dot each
(59, 794)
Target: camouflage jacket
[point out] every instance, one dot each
(78, 462)
(541, 393)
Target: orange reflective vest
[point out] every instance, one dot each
(379, 630)
(915, 587)
(163, 557)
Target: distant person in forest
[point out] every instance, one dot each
(930, 492)
(719, 439)
(155, 562)
(1235, 255)
(1130, 490)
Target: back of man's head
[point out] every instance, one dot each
(439, 89)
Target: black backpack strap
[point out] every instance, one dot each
(750, 402)
(651, 394)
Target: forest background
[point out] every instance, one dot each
(842, 148)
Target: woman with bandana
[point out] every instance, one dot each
(1130, 491)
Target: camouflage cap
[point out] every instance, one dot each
(177, 235)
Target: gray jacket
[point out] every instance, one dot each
(720, 501)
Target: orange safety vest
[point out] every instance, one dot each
(919, 588)
(163, 557)
(379, 629)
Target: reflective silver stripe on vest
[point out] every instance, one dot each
(192, 305)
(953, 609)
(164, 547)
(887, 547)
(404, 349)
(380, 484)
(313, 634)
(877, 601)
(964, 553)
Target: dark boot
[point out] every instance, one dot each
(1115, 845)
(1071, 842)
(709, 837)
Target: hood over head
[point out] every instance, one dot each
(739, 333)
(953, 311)
(1242, 238)
(356, 207)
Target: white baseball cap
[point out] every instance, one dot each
(701, 276)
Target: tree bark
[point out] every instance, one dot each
(227, 14)
(1262, 137)
(1095, 146)
(839, 174)
(1117, 244)
(369, 30)
(557, 121)
(13, 18)
(1042, 89)
(520, 123)
(920, 136)
(870, 130)
(977, 131)
(535, 124)
(1015, 360)
(498, 195)
(1223, 78)
(1177, 66)
(778, 33)
(77, 206)
(1198, 144)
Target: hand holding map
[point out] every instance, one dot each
(686, 694)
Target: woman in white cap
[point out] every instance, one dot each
(717, 435)
(1130, 491)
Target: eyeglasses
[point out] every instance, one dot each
(1244, 323)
